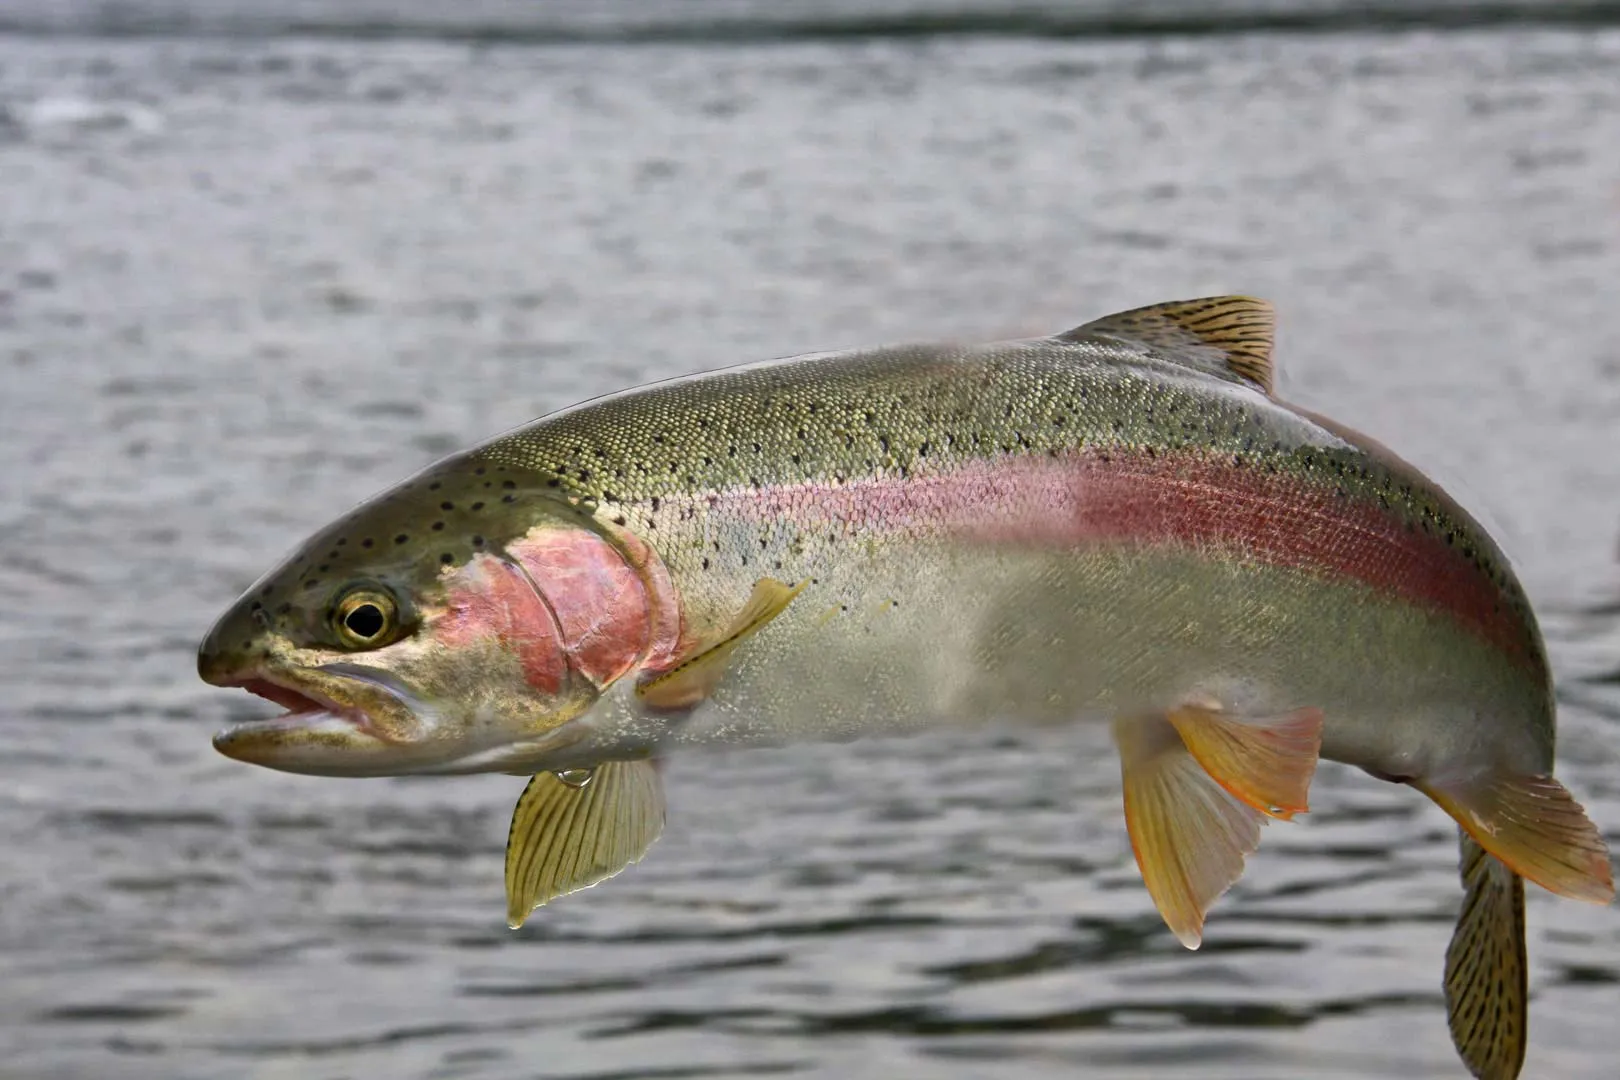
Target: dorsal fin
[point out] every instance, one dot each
(1229, 336)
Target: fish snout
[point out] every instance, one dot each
(223, 657)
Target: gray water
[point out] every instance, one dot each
(247, 280)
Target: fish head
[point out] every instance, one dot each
(458, 623)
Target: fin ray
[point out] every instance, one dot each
(1189, 835)
(1487, 990)
(1535, 826)
(1267, 762)
(1227, 336)
(695, 678)
(565, 837)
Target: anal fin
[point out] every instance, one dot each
(1190, 836)
(1486, 981)
(1267, 762)
(574, 829)
(1535, 826)
(695, 678)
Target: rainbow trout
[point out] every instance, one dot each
(1118, 524)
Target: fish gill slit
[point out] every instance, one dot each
(540, 595)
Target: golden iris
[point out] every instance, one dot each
(365, 618)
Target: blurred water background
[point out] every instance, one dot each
(261, 258)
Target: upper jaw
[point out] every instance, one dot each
(305, 699)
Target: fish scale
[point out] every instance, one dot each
(1119, 525)
(895, 413)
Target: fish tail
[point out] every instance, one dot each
(1486, 987)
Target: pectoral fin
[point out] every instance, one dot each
(695, 678)
(1267, 762)
(1189, 835)
(577, 828)
(1533, 825)
(1486, 991)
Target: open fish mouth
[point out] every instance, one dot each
(304, 710)
(340, 720)
(295, 702)
(346, 719)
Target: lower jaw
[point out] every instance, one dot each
(331, 743)
(317, 743)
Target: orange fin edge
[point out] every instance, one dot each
(1190, 837)
(1266, 762)
(1534, 826)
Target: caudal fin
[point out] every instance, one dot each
(1533, 825)
(1486, 989)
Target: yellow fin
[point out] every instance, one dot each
(695, 678)
(1534, 826)
(1190, 837)
(1229, 336)
(1266, 762)
(570, 833)
(1486, 991)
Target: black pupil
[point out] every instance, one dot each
(365, 621)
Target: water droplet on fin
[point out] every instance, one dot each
(575, 777)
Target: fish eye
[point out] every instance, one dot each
(364, 618)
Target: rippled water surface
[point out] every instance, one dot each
(246, 282)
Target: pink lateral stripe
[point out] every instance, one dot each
(1189, 500)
